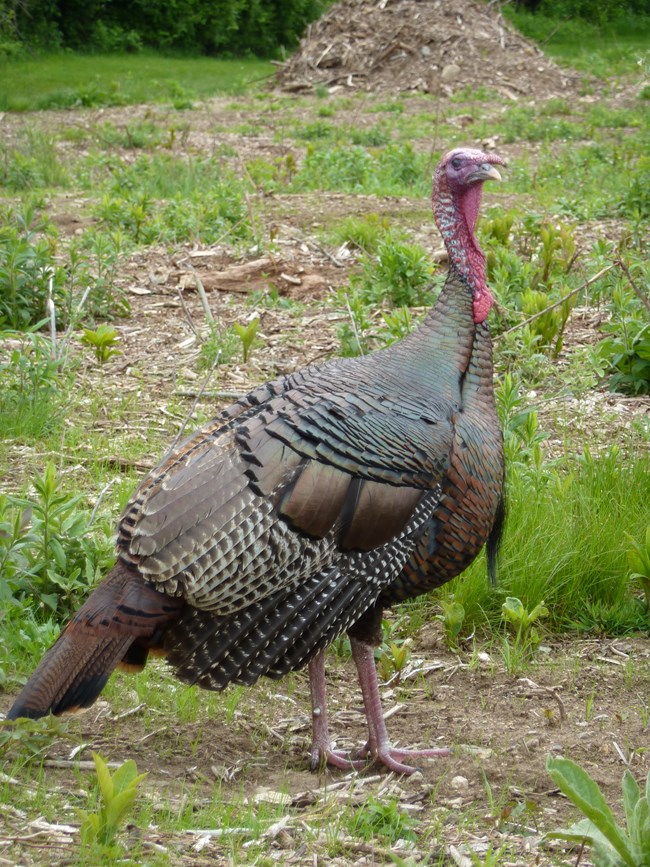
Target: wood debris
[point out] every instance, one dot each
(438, 47)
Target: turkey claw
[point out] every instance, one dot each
(322, 757)
(390, 758)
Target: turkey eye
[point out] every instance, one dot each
(456, 162)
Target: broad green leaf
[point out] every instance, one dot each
(513, 609)
(540, 610)
(58, 553)
(123, 776)
(578, 786)
(631, 795)
(586, 832)
(103, 777)
(119, 805)
(639, 829)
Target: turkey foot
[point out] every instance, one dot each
(379, 746)
(321, 752)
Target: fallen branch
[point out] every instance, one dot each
(640, 295)
(559, 303)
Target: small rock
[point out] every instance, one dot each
(450, 72)
(460, 783)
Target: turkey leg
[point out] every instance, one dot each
(321, 746)
(379, 746)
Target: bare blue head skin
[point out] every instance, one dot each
(457, 187)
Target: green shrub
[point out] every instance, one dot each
(231, 27)
(33, 388)
(48, 556)
(27, 268)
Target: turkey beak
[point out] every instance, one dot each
(484, 172)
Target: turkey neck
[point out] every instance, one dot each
(456, 215)
(434, 356)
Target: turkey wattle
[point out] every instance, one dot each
(306, 507)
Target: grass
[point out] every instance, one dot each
(74, 80)
(613, 49)
(577, 565)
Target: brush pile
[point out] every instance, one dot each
(431, 46)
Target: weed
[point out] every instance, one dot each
(393, 658)
(270, 297)
(247, 335)
(399, 323)
(219, 347)
(612, 844)
(27, 267)
(33, 387)
(363, 233)
(29, 738)
(48, 556)
(452, 619)
(393, 170)
(638, 559)
(627, 353)
(589, 706)
(399, 273)
(526, 637)
(33, 162)
(355, 336)
(382, 820)
(162, 198)
(103, 341)
(118, 792)
(25, 634)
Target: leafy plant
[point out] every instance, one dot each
(363, 233)
(383, 820)
(393, 657)
(24, 635)
(118, 792)
(399, 272)
(246, 334)
(30, 737)
(27, 268)
(47, 554)
(638, 559)
(526, 637)
(103, 340)
(452, 619)
(219, 347)
(627, 352)
(355, 336)
(613, 845)
(33, 387)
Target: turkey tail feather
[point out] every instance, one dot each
(119, 623)
(494, 539)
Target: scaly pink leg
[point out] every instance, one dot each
(379, 745)
(321, 749)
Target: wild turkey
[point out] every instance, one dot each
(306, 507)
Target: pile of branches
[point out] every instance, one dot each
(434, 46)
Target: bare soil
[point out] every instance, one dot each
(580, 699)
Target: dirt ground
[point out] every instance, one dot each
(581, 699)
